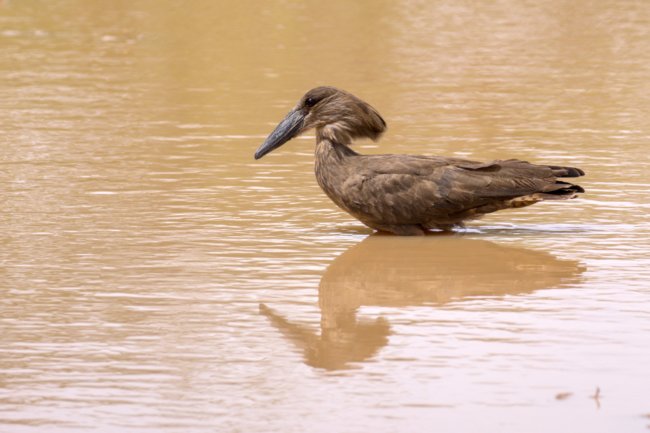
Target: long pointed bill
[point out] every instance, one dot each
(285, 131)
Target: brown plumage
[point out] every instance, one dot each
(408, 194)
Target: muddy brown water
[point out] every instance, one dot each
(154, 277)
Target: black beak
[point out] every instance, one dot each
(285, 131)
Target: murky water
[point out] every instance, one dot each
(155, 278)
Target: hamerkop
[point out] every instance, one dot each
(408, 194)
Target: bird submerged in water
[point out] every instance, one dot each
(408, 194)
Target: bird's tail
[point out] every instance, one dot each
(561, 190)
(566, 171)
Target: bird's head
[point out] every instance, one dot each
(337, 115)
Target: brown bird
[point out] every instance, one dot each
(408, 194)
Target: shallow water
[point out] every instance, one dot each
(155, 277)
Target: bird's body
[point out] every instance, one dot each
(408, 194)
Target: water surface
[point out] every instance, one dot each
(154, 277)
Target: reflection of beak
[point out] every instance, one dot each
(348, 341)
(285, 131)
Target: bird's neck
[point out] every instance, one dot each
(332, 167)
(331, 151)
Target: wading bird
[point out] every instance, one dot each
(408, 194)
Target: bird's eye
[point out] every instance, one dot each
(310, 102)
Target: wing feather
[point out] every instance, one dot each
(400, 189)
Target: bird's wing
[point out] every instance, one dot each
(400, 188)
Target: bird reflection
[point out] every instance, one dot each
(399, 271)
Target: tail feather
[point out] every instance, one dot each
(562, 188)
(566, 171)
